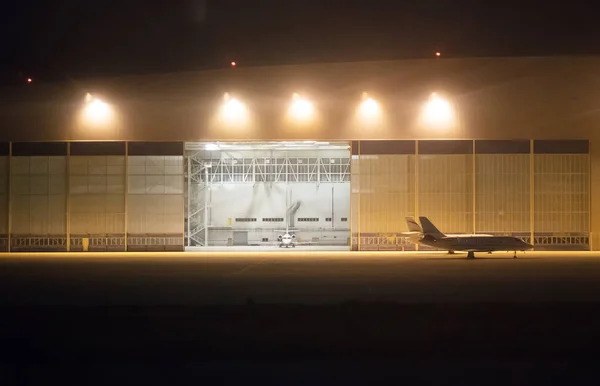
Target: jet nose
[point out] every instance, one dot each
(527, 245)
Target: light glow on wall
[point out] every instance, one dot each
(96, 112)
(233, 112)
(301, 110)
(438, 113)
(369, 111)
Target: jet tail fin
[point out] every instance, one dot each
(430, 229)
(413, 226)
(414, 230)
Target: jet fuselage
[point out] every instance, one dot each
(476, 243)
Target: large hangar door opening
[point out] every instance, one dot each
(268, 195)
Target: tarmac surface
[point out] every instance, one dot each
(299, 317)
(295, 277)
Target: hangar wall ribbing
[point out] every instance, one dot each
(502, 200)
(561, 193)
(73, 196)
(537, 190)
(97, 195)
(4, 173)
(155, 196)
(64, 193)
(38, 196)
(445, 188)
(384, 189)
(97, 188)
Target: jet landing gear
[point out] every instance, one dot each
(451, 252)
(515, 255)
(470, 255)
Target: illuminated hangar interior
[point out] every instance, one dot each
(250, 194)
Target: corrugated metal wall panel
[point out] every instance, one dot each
(38, 165)
(386, 187)
(97, 188)
(156, 214)
(57, 214)
(97, 214)
(39, 215)
(20, 165)
(56, 165)
(136, 215)
(20, 214)
(354, 197)
(3, 195)
(38, 193)
(502, 193)
(173, 212)
(156, 195)
(561, 193)
(446, 191)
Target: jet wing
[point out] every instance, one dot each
(297, 243)
(409, 234)
(413, 236)
(466, 235)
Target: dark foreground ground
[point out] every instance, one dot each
(349, 320)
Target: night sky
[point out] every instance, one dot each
(53, 40)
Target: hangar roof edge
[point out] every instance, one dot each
(226, 71)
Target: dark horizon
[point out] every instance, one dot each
(63, 38)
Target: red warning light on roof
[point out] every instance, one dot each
(29, 80)
(233, 64)
(438, 54)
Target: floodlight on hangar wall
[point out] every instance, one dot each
(301, 110)
(369, 112)
(96, 112)
(438, 113)
(97, 115)
(233, 112)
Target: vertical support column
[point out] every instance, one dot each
(189, 199)
(351, 214)
(531, 191)
(183, 202)
(590, 238)
(206, 207)
(474, 192)
(68, 196)
(332, 209)
(594, 204)
(9, 194)
(417, 185)
(126, 193)
(358, 233)
(319, 170)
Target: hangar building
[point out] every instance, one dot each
(339, 153)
